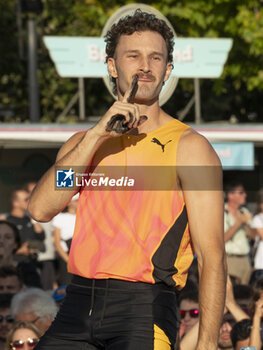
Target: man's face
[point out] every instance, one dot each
(7, 242)
(143, 53)
(9, 284)
(238, 196)
(224, 341)
(42, 323)
(6, 322)
(189, 313)
(22, 200)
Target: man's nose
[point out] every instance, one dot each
(145, 64)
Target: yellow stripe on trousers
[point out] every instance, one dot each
(161, 341)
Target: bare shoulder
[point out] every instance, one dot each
(195, 149)
(70, 144)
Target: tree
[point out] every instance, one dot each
(236, 92)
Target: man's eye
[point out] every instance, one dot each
(156, 58)
(133, 56)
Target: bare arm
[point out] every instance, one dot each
(231, 231)
(259, 232)
(59, 249)
(232, 305)
(78, 151)
(201, 180)
(255, 338)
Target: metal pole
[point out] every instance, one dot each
(81, 99)
(20, 31)
(34, 107)
(198, 118)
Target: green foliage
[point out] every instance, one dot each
(242, 76)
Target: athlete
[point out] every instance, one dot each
(131, 249)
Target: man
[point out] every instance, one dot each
(189, 310)
(237, 233)
(9, 280)
(34, 305)
(131, 249)
(28, 231)
(31, 237)
(6, 320)
(46, 259)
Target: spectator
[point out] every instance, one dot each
(6, 320)
(23, 335)
(9, 243)
(237, 223)
(34, 305)
(31, 235)
(64, 224)
(243, 294)
(189, 309)
(240, 334)
(257, 294)
(257, 224)
(46, 259)
(10, 281)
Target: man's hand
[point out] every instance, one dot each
(124, 113)
(244, 218)
(25, 250)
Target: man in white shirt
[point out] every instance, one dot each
(238, 231)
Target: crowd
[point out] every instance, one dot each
(33, 275)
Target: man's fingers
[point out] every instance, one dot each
(131, 91)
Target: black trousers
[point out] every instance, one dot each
(114, 315)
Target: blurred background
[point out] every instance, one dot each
(39, 109)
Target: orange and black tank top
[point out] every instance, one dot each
(135, 234)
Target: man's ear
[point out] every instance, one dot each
(112, 67)
(168, 72)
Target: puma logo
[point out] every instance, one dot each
(155, 140)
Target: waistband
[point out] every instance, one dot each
(118, 284)
(237, 255)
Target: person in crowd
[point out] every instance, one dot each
(140, 241)
(238, 231)
(257, 224)
(46, 259)
(23, 335)
(10, 280)
(34, 305)
(31, 236)
(189, 309)
(30, 232)
(243, 294)
(248, 331)
(232, 314)
(9, 243)
(64, 224)
(257, 294)
(6, 319)
(240, 333)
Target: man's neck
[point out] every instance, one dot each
(232, 207)
(19, 213)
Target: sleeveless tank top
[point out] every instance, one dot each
(135, 234)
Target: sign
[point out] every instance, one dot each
(85, 56)
(235, 155)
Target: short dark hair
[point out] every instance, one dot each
(15, 231)
(232, 186)
(241, 331)
(8, 270)
(138, 22)
(187, 294)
